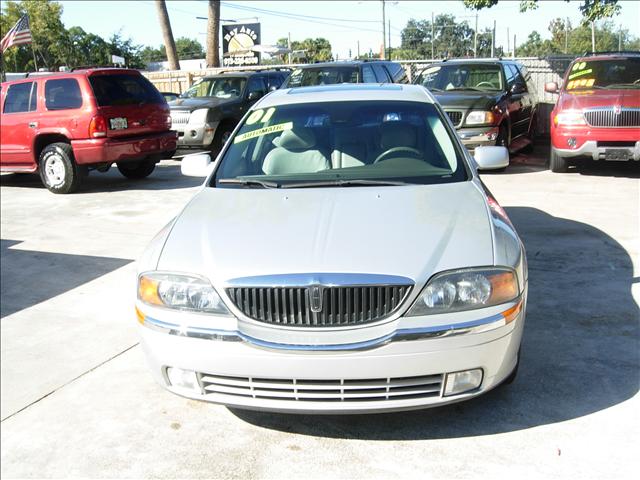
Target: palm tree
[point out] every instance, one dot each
(167, 34)
(213, 34)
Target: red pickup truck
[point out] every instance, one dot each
(65, 124)
(598, 113)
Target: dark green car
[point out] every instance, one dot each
(489, 102)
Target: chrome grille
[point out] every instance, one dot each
(606, 117)
(339, 306)
(455, 116)
(333, 390)
(179, 117)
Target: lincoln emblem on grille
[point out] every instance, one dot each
(315, 297)
(617, 109)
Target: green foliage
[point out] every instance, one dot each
(591, 10)
(578, 40)
(317, 49)
(186, 48)
(450, 39)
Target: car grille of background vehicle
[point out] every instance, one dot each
(179, 118)
(340, 306)
(455, 116)
(610, 117)
(338, 390)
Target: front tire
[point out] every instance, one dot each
(58, 169)
(223, 133)
(137, 170)
(556, 162)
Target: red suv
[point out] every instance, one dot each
(598, 112)
(65, 124)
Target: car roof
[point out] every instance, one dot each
(74, 73)
(345, 63)
(467, 61)
(347, 92)
(607, 56)
(245, 74)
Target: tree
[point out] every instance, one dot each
(167, 34)
(316, 49)
(450, 39)
(213, 34)
(188, 48)
(84, 49)
(127, 49)
(591, 10)
(46, 30)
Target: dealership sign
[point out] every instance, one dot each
(238, 41)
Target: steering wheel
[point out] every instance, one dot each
(488, 84)
(383, 156)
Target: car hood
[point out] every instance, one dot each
(468, 100)
(412, 231)
(192, 104)
(581, 99)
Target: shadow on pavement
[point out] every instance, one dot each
(30, 277)
(166, 176)
(580, 351)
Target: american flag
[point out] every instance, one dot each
(18, 35)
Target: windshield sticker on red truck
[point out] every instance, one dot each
(582, 82)
(281, 127)
(580, 73)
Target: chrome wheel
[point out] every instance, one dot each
(54, 170)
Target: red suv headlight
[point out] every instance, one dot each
(569, 119)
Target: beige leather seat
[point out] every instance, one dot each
(295, 152)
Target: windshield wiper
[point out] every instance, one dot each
(346, 183)
(249, 182)
(473, 89)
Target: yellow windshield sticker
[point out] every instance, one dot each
(254, 117)
(581, 82)
(281, 127)
(267, 116)
(581, 73)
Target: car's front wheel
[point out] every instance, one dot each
(556, 162)
(58, 169)
(137, 170)
(223, 133)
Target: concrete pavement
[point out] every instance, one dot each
(78, 401)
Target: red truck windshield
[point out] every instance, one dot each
(606, 73)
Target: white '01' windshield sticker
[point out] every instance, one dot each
(281, 127)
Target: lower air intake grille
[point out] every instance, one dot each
(455, 116)
(338, 390)
(318, 306)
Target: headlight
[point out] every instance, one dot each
(199, 115)
(181, 292)
(466, 290)
(569, 118)
(480, 117)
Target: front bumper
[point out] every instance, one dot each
(402, 371)
(473, 138)
(102, 150)
(600, 151)
(196, 135)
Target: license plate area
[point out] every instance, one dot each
(118, 123)
(617, 154)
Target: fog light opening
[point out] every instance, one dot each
(461, 382)
(571, 141)
(184, 379)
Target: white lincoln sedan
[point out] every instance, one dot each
(342, 256)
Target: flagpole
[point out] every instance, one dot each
(33, 50)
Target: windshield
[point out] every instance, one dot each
(476, 77)
(227, 87)
(616, 73)
(341, 143)
(305, 77)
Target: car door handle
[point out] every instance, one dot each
(33, 124)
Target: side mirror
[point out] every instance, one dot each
(551, 87)
(491, 158)
(518, 88)
(255, 95)
(196, 165)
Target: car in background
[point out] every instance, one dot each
(269, 292)
(170, 96)
(597, 116)
(489, 102)
(64, 125)
(205, 115)
(358, 71)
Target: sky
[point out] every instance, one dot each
(343, 23)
